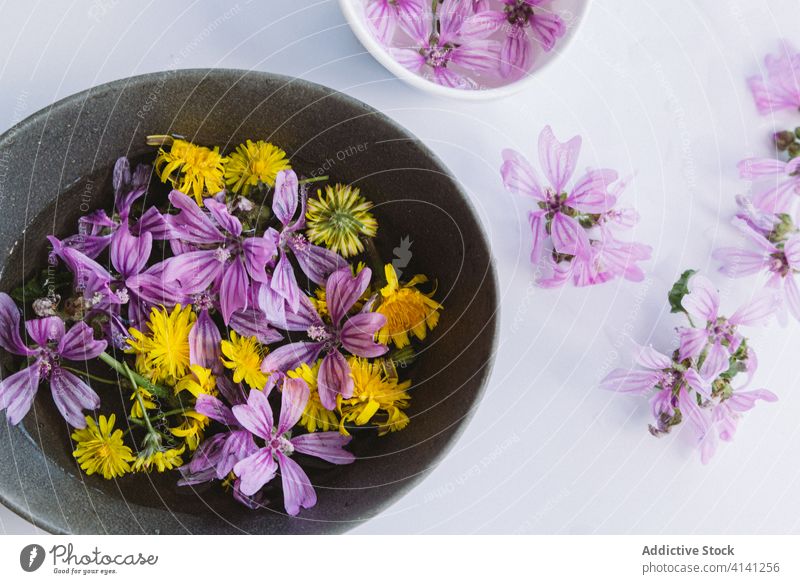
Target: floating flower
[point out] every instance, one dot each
(520, 20)
(53, 344)
(448, 45)
(253, 163)
(779, 88)
(100, 448)
(353, 333)
(571, 227)
(407, 310)
(775, 254)
(377, 398)
(162, 354)
(260, 467)
(316, 262)
(315, 415)
(339, 219)
(225, 262)
(194, 170)
(243, 355)
(383, 15)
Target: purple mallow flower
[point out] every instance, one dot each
(447, 46)
(520, 20)
(775, 254)
(354, 333)
(572, 228)
(224, 259)
(783, 182)
(382, 16)
(779, 87)
(716, 335)
(52, 344)
(261, 465)
(316, 262)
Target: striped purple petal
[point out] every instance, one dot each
(71, 396)
(255, 415)
(316, 262)
(328, 446)
(294, 397)
(252, 322)
(17, 392)
(10, 338)
(129, 254)
(334, 379)
(343, 290)
(285, 199)
(204, 342)
(291, 356)
(284, 283)
(358, 334)
(79, 344)
(191, 224)
(258, 251)
(255, 471)
(219, 212)
(44, 330)
(233, 290)
(297, 489)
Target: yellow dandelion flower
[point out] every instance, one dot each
(162, 355)
(339, 218)
(191, 428)
(253, 163)
(198, 381)
(315, 416)
(100, 448)
(244, 356)
(194, 170)
(159, 460)
(407, 310)
(377, 398)
(148, 399)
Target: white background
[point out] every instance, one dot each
(656, 88)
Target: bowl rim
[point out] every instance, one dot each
(79, 99)
(379, 53)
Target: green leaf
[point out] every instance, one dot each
(680, 289)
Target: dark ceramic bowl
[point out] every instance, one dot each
(56, 165)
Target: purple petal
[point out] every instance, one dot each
(256, 415)
(716, 362)
(255, 471)
(568, 236)
(358, 334)
(294, 398)
(213, 408)
(519, 177)
(702, 300)
(253, 323)
(317, 262)
(291, 356)
(257, 252)
(219, 211)
(129, 254)
(194, 271)
(381, 20)
(792, 250)
(17, 392)
(515, 53)
(742, 401)
(693, 341)
(233, 290)
(10, 339)
(343, 290)
(284, 283)
(154, 223)
(649, 358)
(537, 220)
(477, 55)
(297, 489)
(547, 28)
(558, 159)
(191, 224)
(44, 330)
(238, 446)
(792, 294)
(700, 384)
(693, 414)
(72, 396)
(204, 342)
(334, 379)
(285, 199)
(328, 446)
(79, 344)
(756, 310)
(590, 194)
(739, 262)
(630, 381)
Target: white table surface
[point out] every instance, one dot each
(655, 88)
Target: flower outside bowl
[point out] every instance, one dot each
(57, 166)
(572, 12)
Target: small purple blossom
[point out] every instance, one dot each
(354, 333)
(260, 466)
(52, 344)
(573, 227)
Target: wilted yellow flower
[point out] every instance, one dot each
(253, 163)
(377, 398)
(339, 218)
(407, 310)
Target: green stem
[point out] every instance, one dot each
(313, 179)
(378, 272)
(135, 378)
(138, 395)
(90, 376)
(169, 413)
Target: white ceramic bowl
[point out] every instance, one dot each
(573, 12)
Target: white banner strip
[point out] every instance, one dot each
(401, 559)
